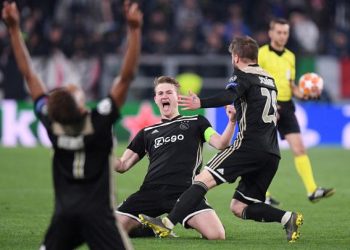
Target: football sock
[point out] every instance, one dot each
(286, 218)
(189, 199)
(262, 212)
(141, 232)
(268, 194)
(303, 166)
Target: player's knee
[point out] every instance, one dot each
(298, 149)
(236, 210)
(216, 234)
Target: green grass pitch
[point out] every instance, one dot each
(26, 202)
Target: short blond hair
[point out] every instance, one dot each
(166, 79)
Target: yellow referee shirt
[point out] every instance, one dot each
(281, 66)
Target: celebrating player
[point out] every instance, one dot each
(82, 143)
(174, 149)
(278, 61)
(254, 155)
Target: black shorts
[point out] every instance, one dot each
(98, 229)
(155, 200)
(255, 168)
(287, 122)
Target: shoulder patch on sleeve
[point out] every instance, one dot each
(104, 107)
(232, 82)
(41, 105)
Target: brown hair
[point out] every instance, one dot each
(278, 21)
(245, 47)
(62, 107)
(166, 79)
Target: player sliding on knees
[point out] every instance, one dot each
(174, 149)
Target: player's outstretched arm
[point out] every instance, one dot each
(122, 82)
(192, 101)
(10, 16)
(128, 160)
(224, 140)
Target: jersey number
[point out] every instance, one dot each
(78, 165)
(271, 100)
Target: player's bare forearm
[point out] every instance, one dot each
(226, 136)
(127, 161)
(231, 124)
(10, 15)
(122, 82)
(35, 86)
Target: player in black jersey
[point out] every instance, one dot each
(174, 149)
(254, 155)
(82, 142)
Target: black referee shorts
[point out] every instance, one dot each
(255, 168)
(69, 230)
(287, 122)
(155, 200)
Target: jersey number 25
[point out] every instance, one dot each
(271, 101)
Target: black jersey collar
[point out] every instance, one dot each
(168, 120)
(278, 52)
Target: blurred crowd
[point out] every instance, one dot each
(77, 29)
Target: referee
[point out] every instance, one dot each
(279, 62)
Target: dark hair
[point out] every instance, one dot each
(62, 107)
(278, 21)
(245, 47)
(166, 79)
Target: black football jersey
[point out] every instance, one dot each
(174, 148)
(255, 99)
(82, 163)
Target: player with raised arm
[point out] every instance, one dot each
(82, 141)
(174, 150)
(253, 156)
(278, 61)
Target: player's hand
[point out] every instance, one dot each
(190, 102)
(10, 14)
(231, 113)
(133, 15)
(118, 165)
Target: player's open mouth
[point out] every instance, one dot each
(166, 106)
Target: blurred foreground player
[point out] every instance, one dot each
(82, 141)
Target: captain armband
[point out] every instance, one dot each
(208, 133)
